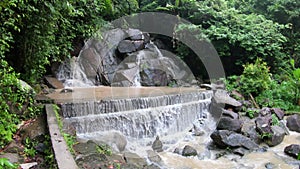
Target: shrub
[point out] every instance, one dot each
(16, 103)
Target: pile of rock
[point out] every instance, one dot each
(242, 134)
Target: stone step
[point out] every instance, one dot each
(84, 108)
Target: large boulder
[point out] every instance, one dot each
(225, 138)
(276, 137)
(293, 122)
(226, 123)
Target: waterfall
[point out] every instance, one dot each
(138, 117)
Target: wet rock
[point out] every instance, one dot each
(282, 124)
(132, 158)
(197, 131)
(230, 114)
(157, 145)
(85, 148)
(240, 151)
(293, 122)
(270, 166)
(189, 151)
(226, 123)
(139, 45)
(292, 150)
(154, 77)
(115, 139)
(277, 136)
(263, 124)
(153, 156)
(25, 86)
(53, 82)
(135, 34)
(221, 96)
(177, 151)
(126, 46)
(91, 160)
(278, 112)
(225, 138)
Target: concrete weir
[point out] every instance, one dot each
(142, 112)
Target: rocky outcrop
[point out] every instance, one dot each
(293, 122)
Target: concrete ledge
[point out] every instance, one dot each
(63, 156)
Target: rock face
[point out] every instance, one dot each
(225, 138)
(293, 122)
(292, 150)
(189, 151)
(123, 57)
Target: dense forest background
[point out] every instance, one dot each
(258, 41)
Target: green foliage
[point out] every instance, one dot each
(255, 78)
(70, 140)
(251, 113)
(5, 164)
(104, 149)
(17, 102)
(275, 120)
(29, 149)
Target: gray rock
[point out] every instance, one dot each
(12, 157)
(292, 150)
(154, 77)
(139, 45)
(86, 148)
(132, 158)
(225, 138)
(28, 165)
(279, 113)
(230, 114)
(189, 151)
(135, 34)
(153, 156)
(157, 145)
(270, 166)
(293, 122)
(221, 96)
(226, 123)
(263, 124)
(126, 46)
(35, 129)
(240, 151)
(265, 111)
(197, 130)
(53, 82)
(177, 151)
(277, 136)
(249, 130)
(91, 160)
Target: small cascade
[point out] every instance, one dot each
(143, 117)
(72, 74)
